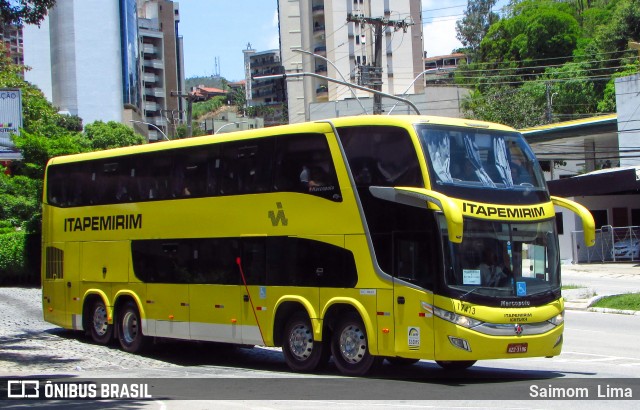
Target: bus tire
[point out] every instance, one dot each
(130, 328)
(350, 348)
(101, 330)
(455, 364)
(301, 352)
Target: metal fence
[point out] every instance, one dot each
(613, 244)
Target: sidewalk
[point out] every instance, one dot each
(597, 280)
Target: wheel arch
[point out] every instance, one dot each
(89, 298)
(288, 306)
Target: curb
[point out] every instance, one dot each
(616, 311)
(585, 305)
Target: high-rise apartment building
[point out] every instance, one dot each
(343, 33)
(11, 37)
(162, 65)
(90, 59)
(268, 94)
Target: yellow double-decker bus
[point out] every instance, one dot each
(362, 238)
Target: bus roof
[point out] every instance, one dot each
(362, 120)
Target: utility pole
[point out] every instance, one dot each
(189, 99)
(372, 75)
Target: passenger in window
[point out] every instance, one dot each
(315, 179)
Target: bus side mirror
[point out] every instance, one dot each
(420, 197)
(588, 224)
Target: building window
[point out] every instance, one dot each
(559, 223)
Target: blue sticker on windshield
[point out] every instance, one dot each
(521, 288)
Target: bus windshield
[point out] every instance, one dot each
(504, 259)
(481, 158)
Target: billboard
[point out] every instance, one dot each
(10, 115)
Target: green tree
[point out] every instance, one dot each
(24, 11)
(478, 17)
(519, 107)
(204, 107)
(538, 30)
(111, 135)
(622, 27)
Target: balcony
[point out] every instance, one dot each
(157, 64)
(322, 93)
(318, 10)
(321, 69)
(149, 49)
(151, 78)
(155, 92)
(320, 50)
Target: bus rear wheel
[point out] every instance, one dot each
(301, 352)
(101, 330)
(130, 328)
(455, 364)
(350, 348)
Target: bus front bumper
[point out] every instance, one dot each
(503, 341)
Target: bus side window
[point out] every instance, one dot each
(381, 155)
(304, 164)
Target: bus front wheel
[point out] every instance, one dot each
(455, 364)
(129, 328)
(350, 348)
(301, 352)
(101, 330)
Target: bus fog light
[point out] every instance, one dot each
(460, 343)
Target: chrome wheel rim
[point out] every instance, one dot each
(300, 342)
(130, 327)
(353, 344)
(100, 321)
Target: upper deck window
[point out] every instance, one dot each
(381, 155)
(286, 163)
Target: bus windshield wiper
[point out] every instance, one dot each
(543, 292)
(463, 297)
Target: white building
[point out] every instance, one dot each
(77, 63)
(595, 162)
(86, 58)
(321, 27)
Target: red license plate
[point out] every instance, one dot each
(517, 347)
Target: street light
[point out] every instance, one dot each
(152, 125)
(337, 71)
(228, 124)
(409, 87)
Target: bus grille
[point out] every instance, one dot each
(54, 263)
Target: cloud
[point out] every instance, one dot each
(440, 37)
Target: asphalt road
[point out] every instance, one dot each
(599, 349)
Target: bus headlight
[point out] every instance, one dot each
(454, 318)
(558, 319)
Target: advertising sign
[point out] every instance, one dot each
(10, 115)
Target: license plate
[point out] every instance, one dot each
(517, 347)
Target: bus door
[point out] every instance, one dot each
(414, 274)
(254, 306)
